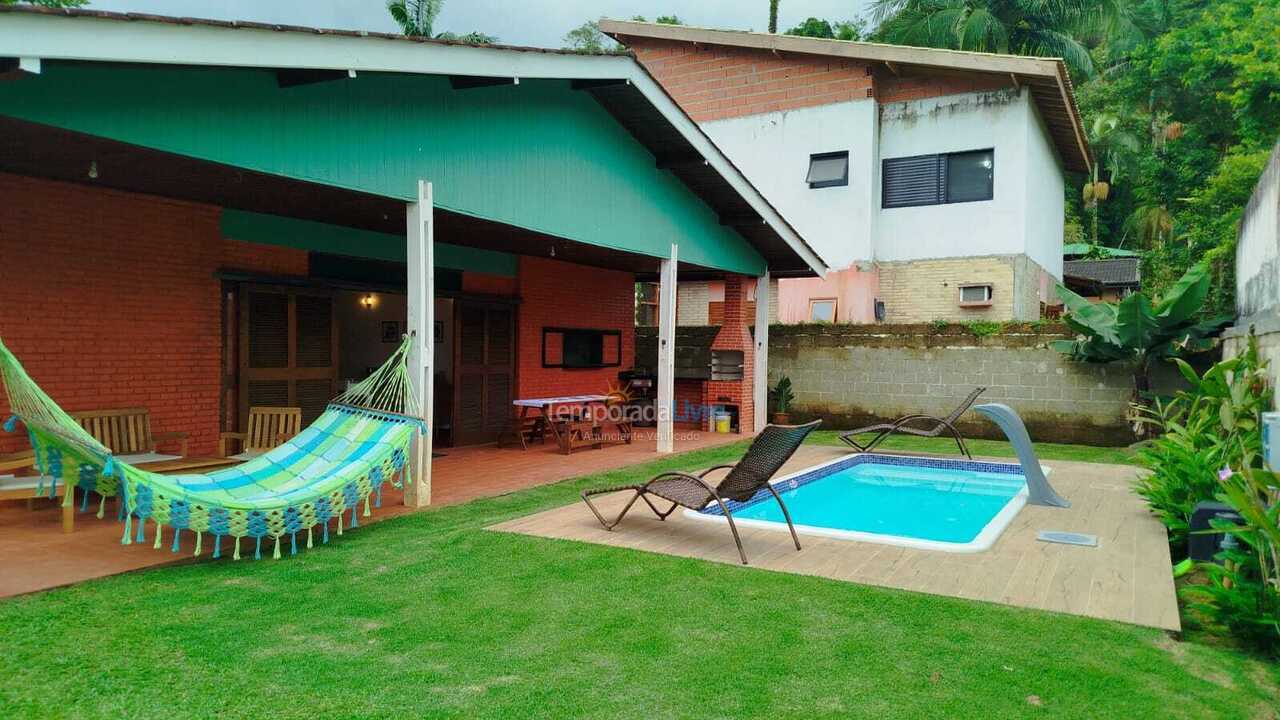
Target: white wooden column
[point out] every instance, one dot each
(760, 381)
(667, 353)
(420, 232)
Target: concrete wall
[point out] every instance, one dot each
(773, 149)
(1258, 271)
(855, 292)
(1045, 201)
(1258, 249)
(854, 375)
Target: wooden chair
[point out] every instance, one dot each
(127, 431)
(25, 488)
(268, 428)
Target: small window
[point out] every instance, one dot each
(828, 170)
(822, 310)
(975, 295)
(581, 348)
(937, 179)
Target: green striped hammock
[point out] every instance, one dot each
(335, 466)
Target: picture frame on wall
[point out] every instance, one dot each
(390, 331)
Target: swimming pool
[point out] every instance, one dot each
(924, 503)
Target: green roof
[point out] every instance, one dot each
(1084, 249)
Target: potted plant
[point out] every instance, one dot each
(781, 396)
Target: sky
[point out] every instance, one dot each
(541, 23)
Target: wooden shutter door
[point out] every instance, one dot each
(484, 362)
(288, 349)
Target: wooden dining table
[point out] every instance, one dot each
(569, 433)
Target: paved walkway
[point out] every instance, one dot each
(1126, 578)
(36, 555)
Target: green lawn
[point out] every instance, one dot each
(431, 616)
(992, 448)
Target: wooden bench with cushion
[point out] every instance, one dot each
(127, 433)
(268, 429)
(28, 487)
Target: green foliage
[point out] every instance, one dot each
(1138, 329)
(781, 396)
(939, 325)
(474, 37)
(661, 19)
(1024, 27)
(773, 16)
(586, 38)
(1200, 91)
(814, 27)
(1243, 593)
(984, 328)
(1215, 424)
(415, 17)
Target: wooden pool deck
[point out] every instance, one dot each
(1126, 578)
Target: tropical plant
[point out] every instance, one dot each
(1216, 423)
(1243, 592)
(781, 396)
(475, 37)
(1140, 330)
(415, 17)
(1024, 27)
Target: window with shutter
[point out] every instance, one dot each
(937, 179)
(912, 181)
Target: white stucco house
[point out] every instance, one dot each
(930, 181)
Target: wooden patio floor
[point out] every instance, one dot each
(36, 555)
(1126, 578)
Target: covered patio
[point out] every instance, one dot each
(196, 232)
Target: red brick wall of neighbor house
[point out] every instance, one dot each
(713, 82)
(109, 300)
(918, 87)
(560, 294)
(716, 82)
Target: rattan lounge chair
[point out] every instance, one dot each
(935, 426)
(771, 449)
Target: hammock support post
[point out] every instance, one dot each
(420, 236)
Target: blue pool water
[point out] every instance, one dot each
(916, 498)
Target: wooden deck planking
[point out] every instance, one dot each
(1126, 578)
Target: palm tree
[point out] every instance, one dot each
(415, 17)
(1048, 28)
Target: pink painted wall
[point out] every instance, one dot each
(854, 290)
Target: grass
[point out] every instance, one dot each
(429, 615)
(993, 448)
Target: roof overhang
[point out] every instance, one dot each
(1046, 78)
(94, 36)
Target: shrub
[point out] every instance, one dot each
(1215, 424)
(781, 396)
(1243, 593)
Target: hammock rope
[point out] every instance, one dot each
(358, 444)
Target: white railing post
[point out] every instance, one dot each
(421, 320)
(667, 353)
(760, 380)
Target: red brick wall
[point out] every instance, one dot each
(109, 300)
(265, 259)
(714, 82)
(918, 87)
(560, 294)
(717, 82)
(488, 283)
